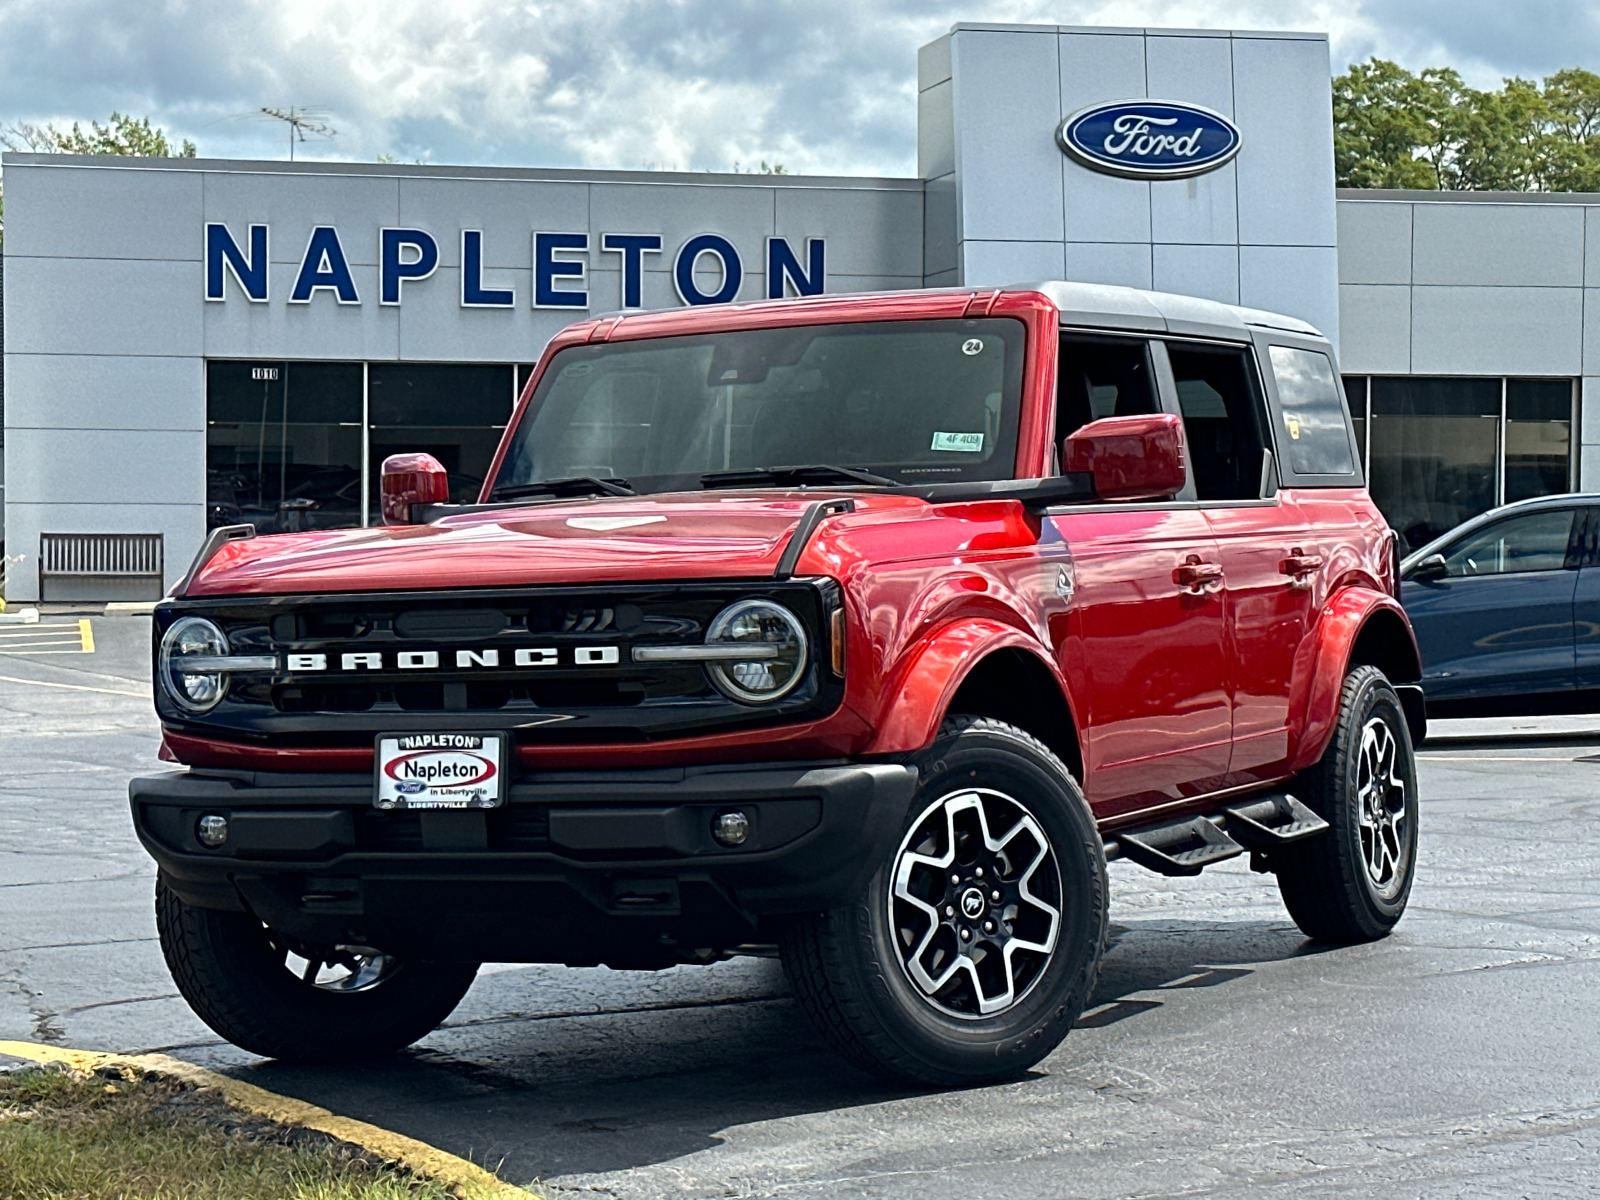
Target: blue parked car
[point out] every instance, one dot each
(1507, 610)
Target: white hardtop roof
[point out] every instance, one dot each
(1103, 306)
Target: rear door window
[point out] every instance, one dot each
(1220, 402)
(1315, 437)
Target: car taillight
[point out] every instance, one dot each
(1394, 564)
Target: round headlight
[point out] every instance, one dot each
(190, 637)
(777, 641)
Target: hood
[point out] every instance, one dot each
(690, 536)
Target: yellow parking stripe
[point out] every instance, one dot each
(49, 639)
(469, 1180)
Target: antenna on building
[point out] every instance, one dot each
(302, 123)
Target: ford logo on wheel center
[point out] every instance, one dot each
(1149, 139)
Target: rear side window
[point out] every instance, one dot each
(1534, 542)
(1217, 395)
(1315, 438)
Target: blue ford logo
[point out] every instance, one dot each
(1149, 139)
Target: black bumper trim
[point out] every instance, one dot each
(818, 832)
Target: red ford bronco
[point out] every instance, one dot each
(861, 630)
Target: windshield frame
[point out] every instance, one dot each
(1020, 424)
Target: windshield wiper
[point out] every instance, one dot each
(572, 485)
(792, 476)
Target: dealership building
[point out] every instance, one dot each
(190, 343)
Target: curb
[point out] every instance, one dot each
(469, 1180)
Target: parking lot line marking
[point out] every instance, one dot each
(75, 687)
(74, 638)
(470, 1181)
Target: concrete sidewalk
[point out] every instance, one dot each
(1566, 728)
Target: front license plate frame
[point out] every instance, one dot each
(440, 776)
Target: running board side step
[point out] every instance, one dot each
(1270, 821)
(1187, 847)
(1178, 848)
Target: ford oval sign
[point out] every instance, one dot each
(1149, 139)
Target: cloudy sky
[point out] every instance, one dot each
(825, 86)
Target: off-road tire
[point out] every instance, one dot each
(845, 969)
(1325, 881)
(236, 982)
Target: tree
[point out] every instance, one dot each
(1382, 115)
(1430, 130)
(130, 137)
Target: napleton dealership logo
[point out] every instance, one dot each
(1149, 139)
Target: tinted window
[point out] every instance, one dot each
(1433, 452)
(1217, 396)
(919, 401)
(1315, 438)
(454, 412)
(1535, 542)
(1538, 437)
(283, 445)
(1102, 377)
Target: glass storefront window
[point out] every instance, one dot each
(1434, 444)
(283, 445)
(1355, 394)
(455, 413)
(1538, 437)
(1445, 449)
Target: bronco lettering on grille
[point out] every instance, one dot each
(462, 660)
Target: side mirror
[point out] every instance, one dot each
(409, 479)
(1430, 569)
(1131, 458)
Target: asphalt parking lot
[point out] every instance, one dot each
(1224, 1055)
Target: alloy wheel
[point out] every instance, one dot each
(1382, 818)
(975, 903)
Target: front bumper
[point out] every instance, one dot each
(577, 867)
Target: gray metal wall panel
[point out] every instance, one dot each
(1496, 331)
(1374, 242)
(322, 328)
(107, 466)
(102, 391)
(1007, 102)
(1302, 281)
(1126, 264)
(1374, 329)
(102, 306)
(936, 134)
(114, 211)
(1514, 245)
(1284, 109)
(1211, 272)
(1101, 208)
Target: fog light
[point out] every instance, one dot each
(731, 828)
(211, 829)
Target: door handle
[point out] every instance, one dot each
(1195, 575)
(1300, 564)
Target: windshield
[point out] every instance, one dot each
(913, 401)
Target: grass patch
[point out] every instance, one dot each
(115, 1135)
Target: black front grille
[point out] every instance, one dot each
(448, 638)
